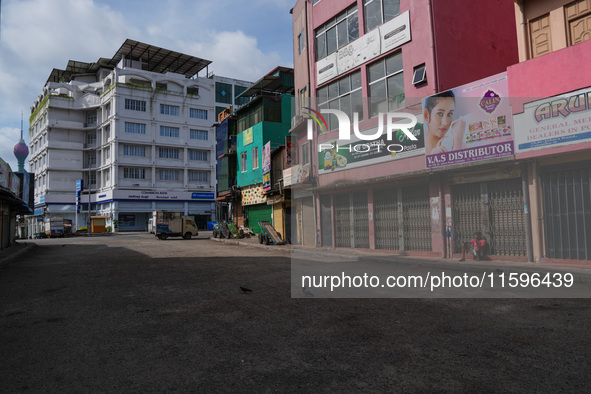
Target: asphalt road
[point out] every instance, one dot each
(129, 313)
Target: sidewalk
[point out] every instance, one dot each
(14, 251)
(381, 257)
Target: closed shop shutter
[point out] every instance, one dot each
(326, 220)
(308, 223)
(416, 211)
(351, 220)
(493, 208)
(385, 207)
(342, 221)
(258, 212)
(567, 213)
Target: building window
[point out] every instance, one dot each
(168, 175)
(378, 12)
(200, 155)
(91, 139)
(198, 134)
(305, 153)
(223, 93)
(303, 94)
(343, 94)
(578, 21)
(386, 84)
(301, 41)
(93, 178)
(91, 119)
(135, 128)
(197, 113)
(243, 162)
(255, 158)
(135, 105)
(166, 131)
(166, 109)
(134, 173)
(107, 175)
(134, 150)
(168, 153)
(198, 176)
(107, 153)
(540, 36)
(239, 100)
(339, 31)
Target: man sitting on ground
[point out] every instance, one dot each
(477, 244)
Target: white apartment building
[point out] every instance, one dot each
(136, 128)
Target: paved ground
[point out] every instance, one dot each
(129, 313)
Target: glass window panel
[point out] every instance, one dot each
(357, 103)
(345, 105)
(396, 91)
(322, 94)
(391, 9)
(353, 27)
(376, 71)
(321, 47)
(356, 80)
(394, 63)
(373, 14)
(332, 121)
(342, 35)
(377, 94)
(331, 40)
(344, 86)
(333, 90)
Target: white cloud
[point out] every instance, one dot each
(39, 35)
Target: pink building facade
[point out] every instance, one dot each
(551, 93)
(372, 57)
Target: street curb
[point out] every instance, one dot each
(4, 261)
(411, 259)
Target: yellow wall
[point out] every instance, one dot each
(278, 219)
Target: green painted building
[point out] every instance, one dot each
(266, 117)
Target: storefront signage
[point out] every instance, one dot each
(247, 136)
(296, 174)
(289, 145)
(15, 184)
(493, 174)
(4, 171)
(395, 32)
(344, 155)
(150, 195)
(358, 52)
(267, 166)
(390, 35)
(470, 123)
(253, 195)
(326, 68)
(555, 121)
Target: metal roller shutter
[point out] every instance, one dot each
(385, 207)
(256, 213)
(567, 213)
(416, 210)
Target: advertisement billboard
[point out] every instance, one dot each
(554, 121)
(470, 123)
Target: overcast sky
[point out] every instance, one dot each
(243, 39)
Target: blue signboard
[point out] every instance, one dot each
(79, 185)
(202, 196)
(42, 199)
(38, 211)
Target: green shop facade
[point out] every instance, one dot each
(266, 118)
